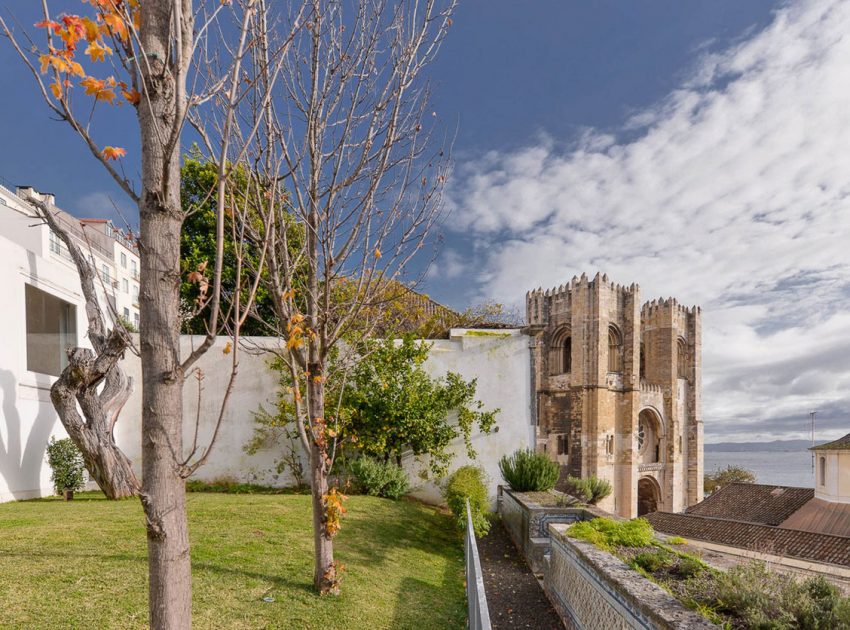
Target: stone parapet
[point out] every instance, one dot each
(594, 590)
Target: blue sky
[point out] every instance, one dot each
(700, 149)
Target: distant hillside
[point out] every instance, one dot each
(775, 445)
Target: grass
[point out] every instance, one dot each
(82, 564)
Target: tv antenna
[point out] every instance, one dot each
(812, 415)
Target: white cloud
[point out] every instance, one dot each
(734, 195)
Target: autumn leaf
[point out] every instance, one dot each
(227, 348)
(133, 97)
(57, 90)
(113, 153)
(377, 253)
(98, 52)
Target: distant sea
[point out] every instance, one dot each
(782, 468)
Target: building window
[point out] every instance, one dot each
(563, 445)
(133, 270)
(51, 330)
(681, 358)
(125, 285)
(136, 292)
(822, 470)
(104, 271)
(127, 313)
(123, 260)
(560, 355)
(136, 320)
(55, 243)
(615, 350)
(642, 361)
(609, 445)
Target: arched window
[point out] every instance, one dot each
(681, 358)
(615, 350)
(822, 465)
(560, 353)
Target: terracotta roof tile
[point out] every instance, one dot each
(753, 503)
(777, 541)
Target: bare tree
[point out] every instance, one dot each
(351, 189)
(168, 58)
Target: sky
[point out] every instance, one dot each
(700, 149)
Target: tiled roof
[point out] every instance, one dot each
(777, 541)
(821, 516)
(753, 503)
(840, 444)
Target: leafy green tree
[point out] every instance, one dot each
(393, 405)
(198, 181)
(724, 476)
(387, 404)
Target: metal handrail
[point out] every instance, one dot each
(479, 614)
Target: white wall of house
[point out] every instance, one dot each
(27, 418)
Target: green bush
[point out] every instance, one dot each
(652, 561)
(379, 478)
(758, 597)
(608, 533)
(527, 471)
(590, 489)
(67, 464)
(468, 482)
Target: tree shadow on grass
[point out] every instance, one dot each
(421, 604)
(373, 538)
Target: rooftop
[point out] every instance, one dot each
(778, 541)
(753, 503)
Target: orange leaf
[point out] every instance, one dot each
(113, 153)
(133, 97)
(98, 52)
(377, 253)
(57, 90)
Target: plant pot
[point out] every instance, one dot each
(68, 494)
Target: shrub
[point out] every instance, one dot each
(67, 464)
(527, 471)
(760, 598)
(379, 478)
(467, 482)
(652, 561)
(590, 489)
(607, 533)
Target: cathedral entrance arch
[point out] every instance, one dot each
(649, 495)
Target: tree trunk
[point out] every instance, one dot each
(163, 488)
(324, 570)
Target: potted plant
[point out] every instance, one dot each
(67, 464)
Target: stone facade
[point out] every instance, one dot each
(617, 391)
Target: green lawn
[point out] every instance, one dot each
(81, 564)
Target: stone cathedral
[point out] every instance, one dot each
(617, 388)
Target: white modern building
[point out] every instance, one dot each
(44, 313)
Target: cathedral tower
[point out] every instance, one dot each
(617, 391)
